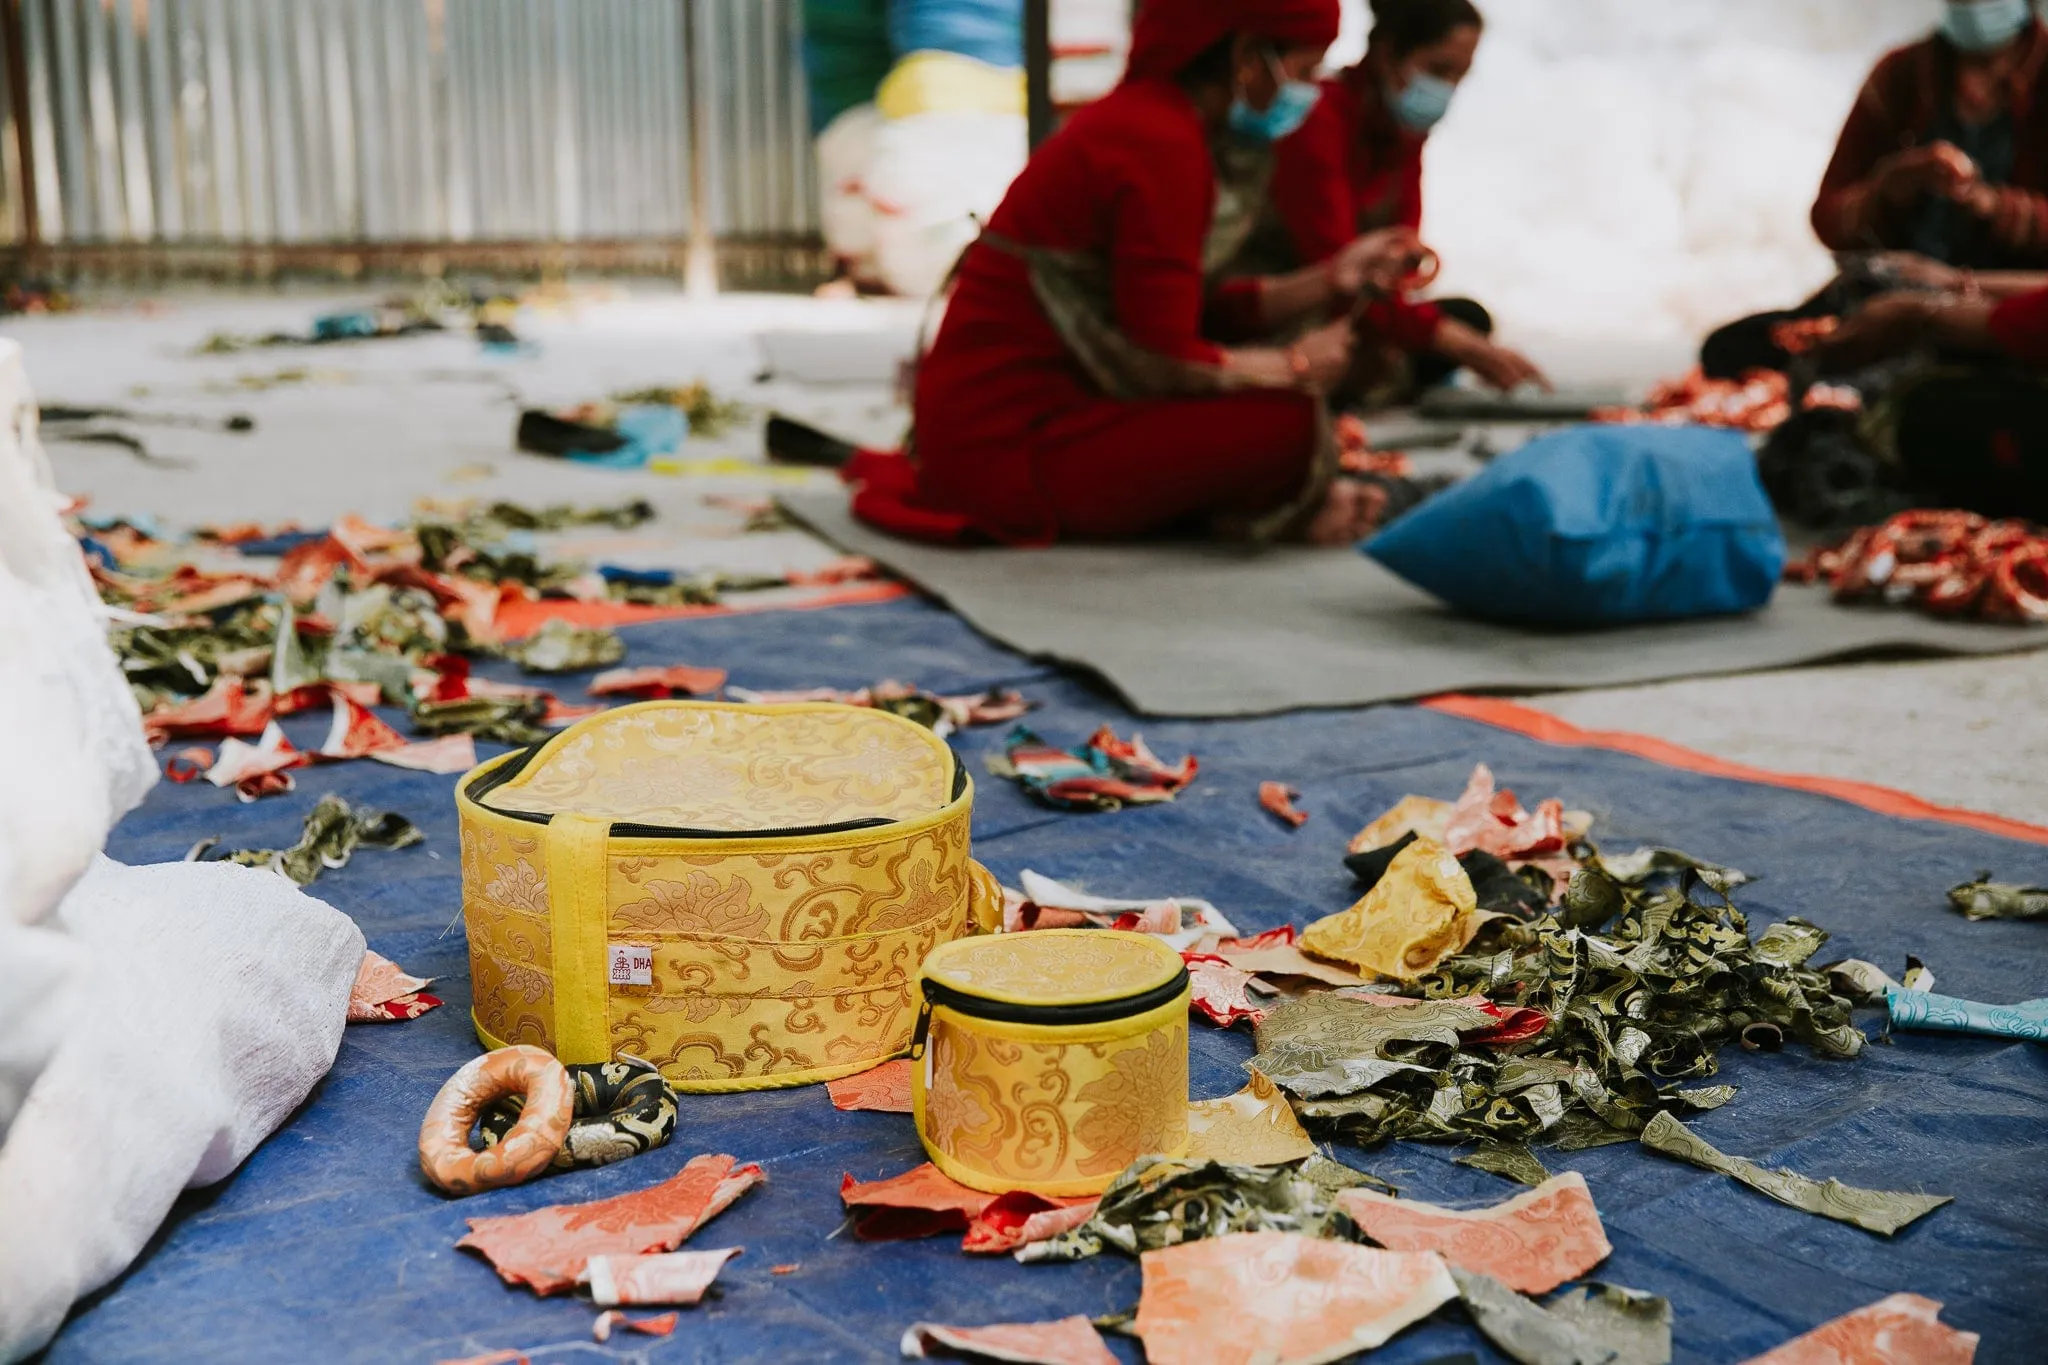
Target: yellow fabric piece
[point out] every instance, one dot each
(1421, 912)
(776, 960)
(576, 908)
(948, 83)
(1425, 816)
(1254, 1127)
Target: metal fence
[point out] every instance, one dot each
(422, 122)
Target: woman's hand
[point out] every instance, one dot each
(1887, 326)
(1939, 168)
(1322, 358)
(1496, 366)
(1382, 261)
(1910, 270)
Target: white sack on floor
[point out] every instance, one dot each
(845, 149)
(931, 176)
(76, 757)
(213, 1002)
(1620, 170)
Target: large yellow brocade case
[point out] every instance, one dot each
(742, 895)
(1049, 1061)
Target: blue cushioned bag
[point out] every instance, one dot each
(1597, 526)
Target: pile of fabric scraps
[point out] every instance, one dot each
(1944, 563)
(222, 635)
(629, 429)
(941, 714)
(333, 831)
(1046, 904)
(385, 993)
(1638, 983)
(1104, 774)
(437, 307)
(1761, 401)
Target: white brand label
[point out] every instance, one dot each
(632, 965)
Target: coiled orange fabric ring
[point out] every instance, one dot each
(446, 1158)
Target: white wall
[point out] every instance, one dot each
(1642, 169)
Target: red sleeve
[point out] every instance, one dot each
(1410, 326)
(1848, 215)
(2020, 221)
(2020, 327)
(1159, 220)
(1235, 314)
(1312, 181)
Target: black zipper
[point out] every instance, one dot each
(1007, 1012)
(498, 777)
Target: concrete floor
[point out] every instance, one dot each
(375, 428)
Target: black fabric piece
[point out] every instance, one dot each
(1978, 441)
(1372, 865)
(1432, 369)
(543, 433)
(793, 442)
(1820, 473)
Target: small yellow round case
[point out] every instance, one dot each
(741, 895)
(1049, 1061)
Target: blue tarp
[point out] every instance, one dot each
(327, 1246)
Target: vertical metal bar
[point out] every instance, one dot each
(430, 101)
(309, 86)
(245, 18)
(228, 198)
(13, 35)
(49, 175)
(1039, 114)
(196, 119)
(539, 142)
(568, 220)
(75, 184)
(128, 20)
(104, 129)
(700, 268)
(341, 122)
(456, 88)
(286, 162)
(365, 97)
(161, 116)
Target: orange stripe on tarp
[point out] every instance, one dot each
(1540, 725)
(521, 617)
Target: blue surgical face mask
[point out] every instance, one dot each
(1422, 103)
(1291, 106)
(1986, 25)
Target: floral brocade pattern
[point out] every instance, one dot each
(1046, 1113)
(764, 965)
(720, 769)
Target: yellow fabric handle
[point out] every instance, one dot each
(577, 909)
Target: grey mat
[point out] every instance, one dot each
(1210, 630)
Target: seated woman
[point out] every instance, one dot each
(1965, 435)
(1945, 157)
(1074, 391)
(1356, 167)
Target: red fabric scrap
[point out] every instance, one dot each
(1221, 992)
(612, 1320)
(884, 1090)
(922, 1202)
(357, 731)
(1944, 563)
(1012, 1220)
(227, 708)
(654, 684)
(1278, 800)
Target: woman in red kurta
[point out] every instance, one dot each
(1356, 166)
(1016, 439)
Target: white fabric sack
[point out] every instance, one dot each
(931, 177)
(845, 149)
(76, 762)
(214, 999)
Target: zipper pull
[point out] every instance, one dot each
(923, 1030)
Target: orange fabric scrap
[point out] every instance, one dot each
(448, 754)
(1532, 1243)
(612, 1320)
(885, 1089)
(259, 769)
(655, 684)
(1017, 1219)
(357, 731)
(921, 1202)
(1070, 1341)
(1278, 800)
(661, 1277)
(227, 708)
(1279, 1298)
(1943, 563)
(379, 981)
(549, 1249)
(1901, 1330)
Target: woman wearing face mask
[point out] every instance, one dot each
(1946, 152)
(1079, 387)
(1356, 166)
(1941, 169)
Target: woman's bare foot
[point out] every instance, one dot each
(1350, 512)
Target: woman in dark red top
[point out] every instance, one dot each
(1356, 166)
(1020, 436)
